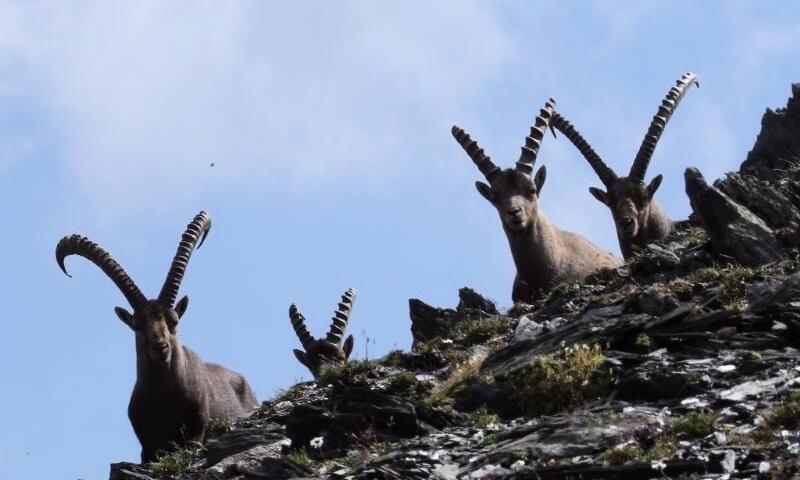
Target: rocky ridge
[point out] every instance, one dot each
(683, 363)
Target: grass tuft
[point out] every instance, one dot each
(694, 425)
(559, 382)
(348, 373)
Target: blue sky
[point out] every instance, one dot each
(329, 126)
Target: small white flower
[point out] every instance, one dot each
(518, 465)
(658, 465)
(479, 436)
(316, 442)
(447, 341)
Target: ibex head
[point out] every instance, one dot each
(513, 192)
(629, 198)
(320, 353)
(153, 321)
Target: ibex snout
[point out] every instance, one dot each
(628, 225)
(160, 351)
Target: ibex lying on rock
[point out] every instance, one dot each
(329, 350)
(176, 394)
(638, 218)
(543, 254)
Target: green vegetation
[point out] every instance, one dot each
(558, 382)
(482, 418)
(489, 440)
(173, 463)
(644, 342)
(694, 425)
(219, 426)
(785, 415)
(461, 376)
(622, 454)
(348, 373)
(480, 330)
(300, 457)
(407, 382)
(733, 282)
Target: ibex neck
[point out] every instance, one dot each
(535, 251)
(160, 376)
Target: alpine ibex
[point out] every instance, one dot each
(638, 218)
(176, 394)
(329, 350)
(543, 254)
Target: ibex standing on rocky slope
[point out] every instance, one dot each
(176, 394)
(638, 218)
(329, 350)
(543, 254)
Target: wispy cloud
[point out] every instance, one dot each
(149, 94)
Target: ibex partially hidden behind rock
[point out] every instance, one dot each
(326, 351)
(176, 394)
(638, 218)
(543, 254)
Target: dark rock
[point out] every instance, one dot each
(429, 322)
(777, 146)
(734, 230)
(773, 203)
(469, 299)
(129, 471)
(238, 441)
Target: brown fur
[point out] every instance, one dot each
(638, 218)
(177, 395)
(543, 254)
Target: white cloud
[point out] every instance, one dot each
(150, 93)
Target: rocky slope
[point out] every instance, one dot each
(684, 363)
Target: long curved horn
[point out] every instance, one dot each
(299, 325)
(201, 225)
(341, 317)
(607, 176)
(665, 111)
(476, 153)
(80, 245)
(534, 140)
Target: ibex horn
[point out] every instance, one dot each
(534, 140)
(80, 245)
(665, 111)
(299, 325)
(196, 230)
(476, 153)
(341, 317)
(607, 176)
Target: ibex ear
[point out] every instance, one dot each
(182, 305)
(125, 316)
(599, 194)
(541, 174)
(301, 356)
(654, 184)
(485, 191)
(348, 347)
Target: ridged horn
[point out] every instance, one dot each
(196, 230)
(80, 245)
(534, 140)
(665, 111)
(476, 153)
(299, 325)
(607, 176)
(341, 317)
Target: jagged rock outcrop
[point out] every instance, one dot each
(684, 363)
(734, 230)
